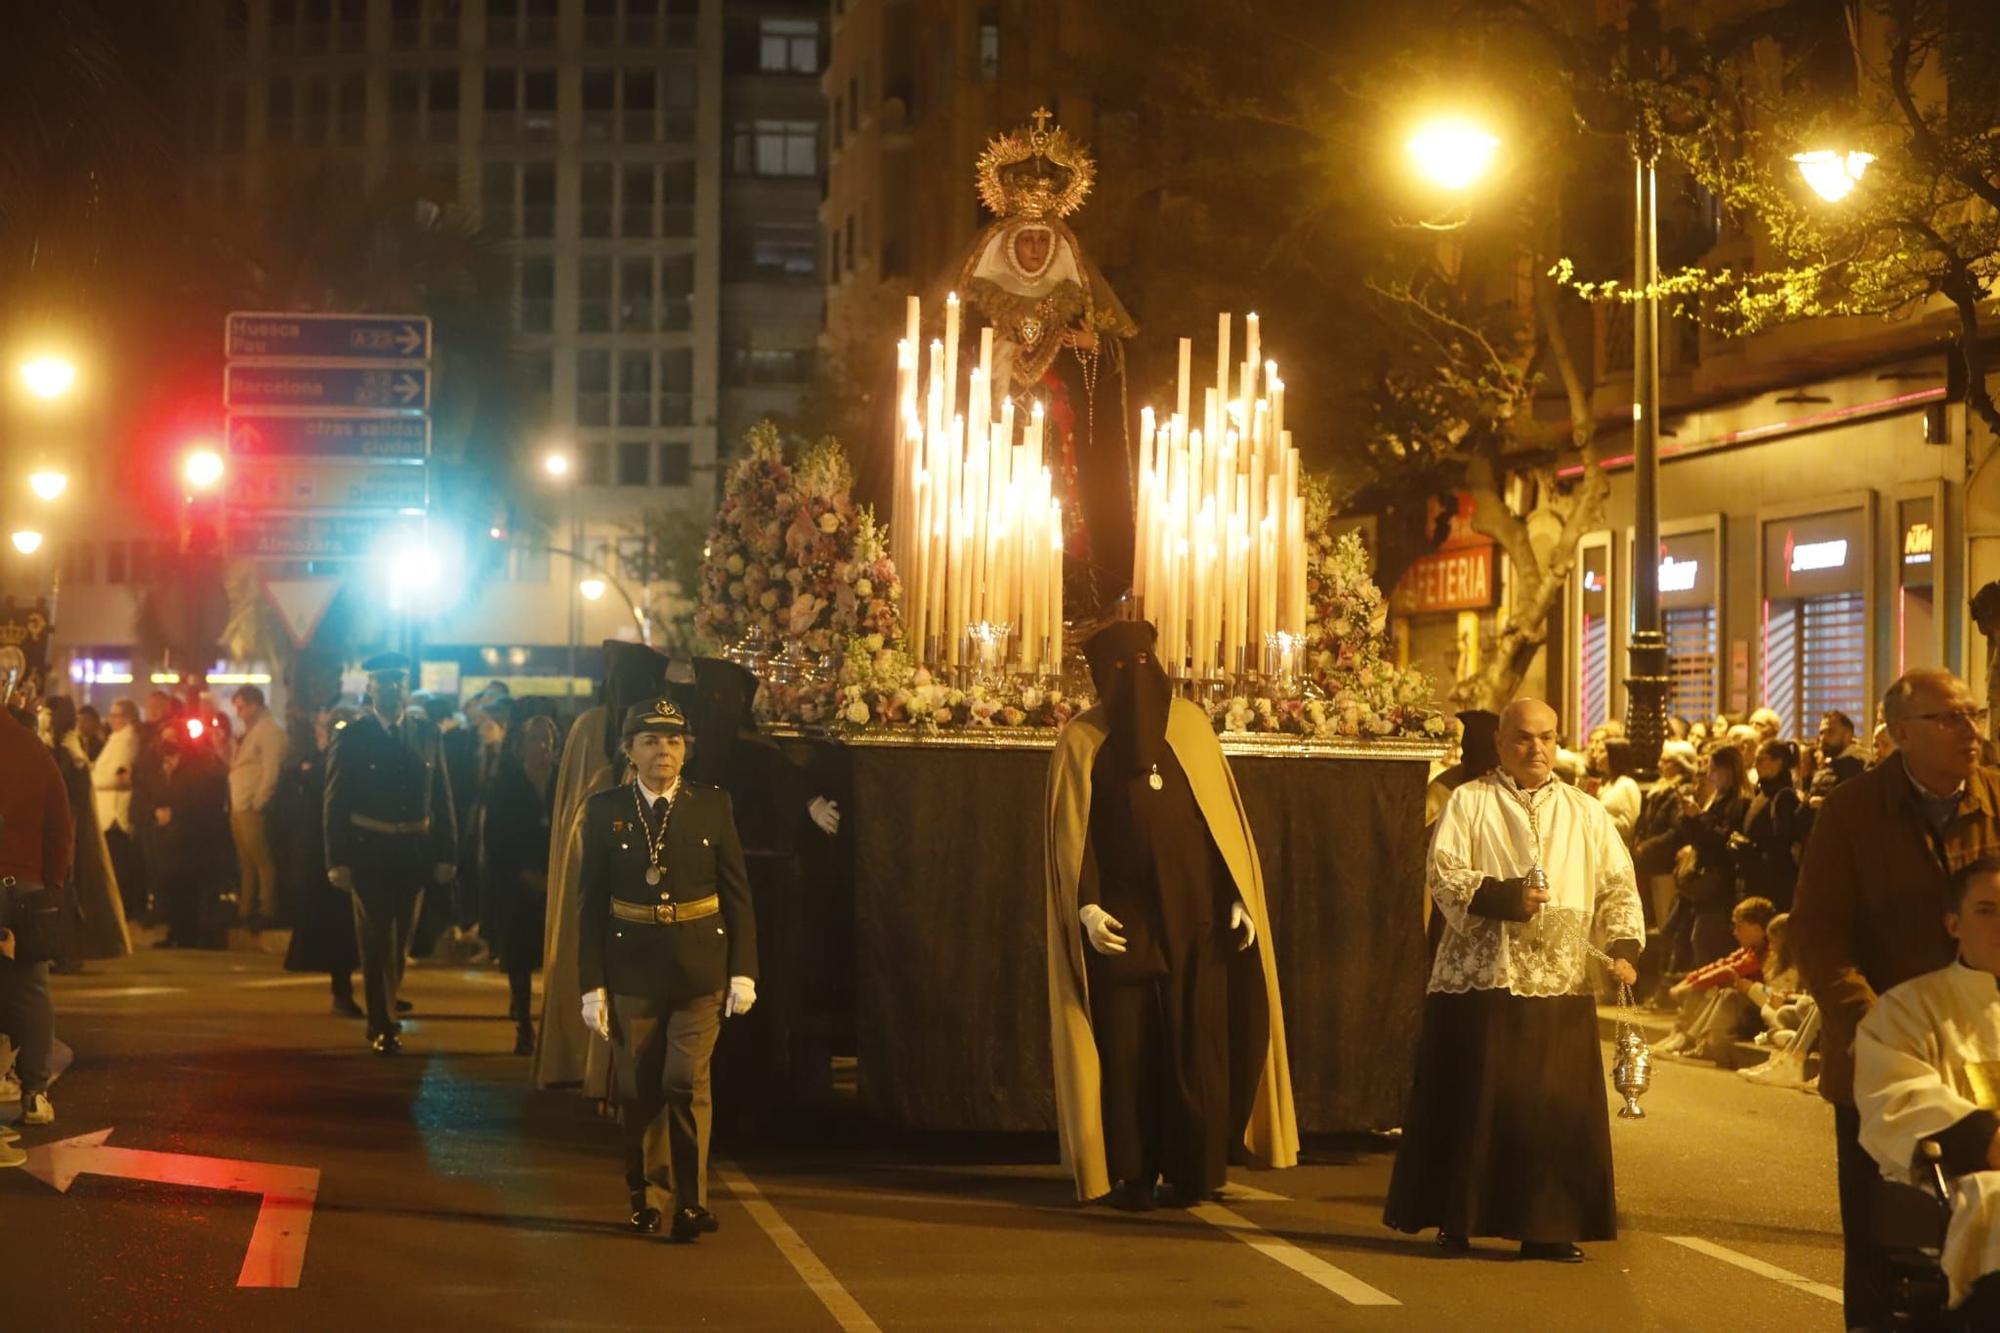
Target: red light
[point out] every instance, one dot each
(195, 727)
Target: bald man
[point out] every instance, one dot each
(1507, 1133)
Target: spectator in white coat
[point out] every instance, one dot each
(254, 768)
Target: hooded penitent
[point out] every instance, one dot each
(1145, 821)
(718, 712)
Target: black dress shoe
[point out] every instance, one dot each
(1131, 1196)
(345, 1007)
(404, 1006)
(385, 1044)
(1452, 1244)
(1554, 1252)
(692, 1222)
(645, 1221)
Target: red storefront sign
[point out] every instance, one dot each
(1455, 579)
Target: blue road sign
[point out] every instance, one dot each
(252, 534)
(284, 334)
(332, 385)
(270, 435)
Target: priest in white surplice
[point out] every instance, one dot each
(1927, 1069)
(1507, 1132)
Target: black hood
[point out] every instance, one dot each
(633, 673)
(718, 712)
(1134, 690)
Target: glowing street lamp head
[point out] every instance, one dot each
(48, 376)
(591, 588)
(1451, 152)
(202, 469)
(556, 464)
(47, 484)
(27, 542)
(1831, 173)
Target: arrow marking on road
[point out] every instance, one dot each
(277, 1251)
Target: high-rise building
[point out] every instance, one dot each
(650, 169)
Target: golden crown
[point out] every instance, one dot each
(1009, 190)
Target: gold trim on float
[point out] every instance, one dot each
(1237, 743)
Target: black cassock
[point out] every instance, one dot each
(1160, 1010)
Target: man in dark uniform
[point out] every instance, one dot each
(390, 831)
(666, 948)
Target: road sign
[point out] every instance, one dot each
(329, 384)
(266, 435)
(277, 1253)
(301, 604)
(280, 334)
(310, 484)
(251, 534)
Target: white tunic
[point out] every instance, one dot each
(1926, 1056)
(1485, 831)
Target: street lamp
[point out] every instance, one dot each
(591, 588)
(202, 469)
(556, 464)
(27, 541)
(1832, 173)
(1451, 152)
(48, 484)
(48, 376)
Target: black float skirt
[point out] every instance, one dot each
(1507, 1133)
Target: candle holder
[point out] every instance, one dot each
(986, 643)
(1283, 652)
(752, 651)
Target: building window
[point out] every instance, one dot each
(538, 294)
(635, 388)
(641, 95)
(989, 43)
(681, 17)
(676, 386)
(679, 90)
(503, 105)
(353, 34)
(405, 23)
(788, 46)
(635, 463)
(784, 252)
(677, 198)
(313, 31)
(770, 365)
(538, 104)
(284, 14)
(600, 22)
(596, 463)
(79, 563)
(351, 118)
(406, 96)
(636, 207)
(593, 388)
(443, 99)
(539, 25)
(676, 463)
(595, 206)
(777, 148)
(444, 25)
(538, 200)
(676, 293)
(278, 111)
(315, 119)
(503, 22)
(496, 199)
(635, 296)
(642, 22)
(593, 294)
(600, 103)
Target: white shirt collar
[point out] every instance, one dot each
(648, 795)
(1508, 778)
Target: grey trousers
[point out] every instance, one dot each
(383, 920)
(28, 1017)
(661, 1066)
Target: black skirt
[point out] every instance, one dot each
(1507, 1132)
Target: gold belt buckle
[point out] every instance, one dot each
(667, 913)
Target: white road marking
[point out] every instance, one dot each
(272, 983)
(1251, 1194)
(846, 1311)
(1309, 1266)
(118, 992)
(1757, 1266)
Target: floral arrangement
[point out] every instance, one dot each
(745, 579)
(843, 582)
(885, 688)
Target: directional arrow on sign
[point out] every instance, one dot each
(277, 1251)
(408, 339)
(408, 387)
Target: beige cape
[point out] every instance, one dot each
(566, 1051)
(1272, 1137)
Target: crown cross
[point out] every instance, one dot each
(1041, 118)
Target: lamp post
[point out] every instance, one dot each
(597, 581)
(561, 469)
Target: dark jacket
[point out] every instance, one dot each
(35, 839)
(515, 861)
(1869, 913)
(195, 843)
(675, 962)
(1767, 861)
(377, 775)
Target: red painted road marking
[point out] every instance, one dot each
(277, 1251)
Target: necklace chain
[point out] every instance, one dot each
(655, 844)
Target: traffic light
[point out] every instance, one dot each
(202, 472)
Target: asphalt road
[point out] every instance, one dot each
(451, 1195)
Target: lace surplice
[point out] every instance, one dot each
(1594, 900)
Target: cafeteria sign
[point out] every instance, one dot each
(1454, 579)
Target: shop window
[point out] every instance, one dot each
(1691, 661)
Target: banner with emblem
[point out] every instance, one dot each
(25, 628)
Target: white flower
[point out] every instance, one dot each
(769, 601)
(873, 643)
(1434, 725)
(864, 587)
(1031, 698)
(857, 713)
(921, 678)
(829, 522)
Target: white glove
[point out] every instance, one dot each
(597, 1012)
(341, 878)
(742, 994)
(1101, 929)
(1239, 919)
(825, 814)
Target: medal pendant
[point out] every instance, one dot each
(653, 875)
(1155, 781)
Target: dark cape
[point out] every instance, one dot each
(323, 930)
(515, 833)
(1507, 1133)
